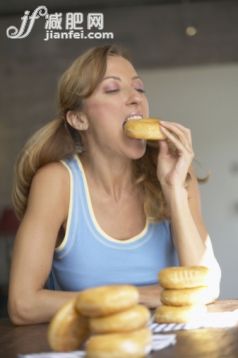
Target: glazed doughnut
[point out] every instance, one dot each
(182, 314)
(105, 300)
(186, 296)
(135, 344)
(147, 128)
(184, 277)
(68, 329)
(133, 318)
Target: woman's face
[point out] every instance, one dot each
(119, 96)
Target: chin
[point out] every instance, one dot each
(137, 149)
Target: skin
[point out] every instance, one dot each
(107, 164)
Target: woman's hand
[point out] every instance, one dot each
(175, 156)
(150, 295)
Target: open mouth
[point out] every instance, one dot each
(133, 117)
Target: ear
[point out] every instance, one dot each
(77, 120)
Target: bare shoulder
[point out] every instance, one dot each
(51, 177)
(50, 190)
(55, 171)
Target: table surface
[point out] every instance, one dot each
(199, 343)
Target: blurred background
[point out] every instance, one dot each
(187, 54)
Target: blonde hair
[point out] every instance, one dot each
(57, 140)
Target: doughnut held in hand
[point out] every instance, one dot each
(184, 277)
(135, 344)
(105, 300)
(68, 329)
(182, 314)
(147, 128)
(133, 318)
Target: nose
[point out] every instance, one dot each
(134, 97)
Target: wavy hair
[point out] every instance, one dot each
(57, 140)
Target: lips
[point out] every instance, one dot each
(133, 116)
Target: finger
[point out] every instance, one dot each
(170, 124)
(178, 129)
(185, 130)
(182, 146)
(177, 133)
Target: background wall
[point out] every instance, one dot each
(192, 80)
(204, 98)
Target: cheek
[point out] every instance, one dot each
(102, 109)
(146, 106)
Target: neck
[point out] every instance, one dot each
(112, 176)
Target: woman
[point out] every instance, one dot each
(96, 206)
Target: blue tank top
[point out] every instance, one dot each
(88, 257)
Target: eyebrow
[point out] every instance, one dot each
(119, 79)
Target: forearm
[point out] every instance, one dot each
(38, 307)
(41, 306)
(192, 243)
(190, 246)
(150, 295)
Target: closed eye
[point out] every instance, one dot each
(141, 90)
(112, 90)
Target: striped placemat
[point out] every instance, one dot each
(210, 320)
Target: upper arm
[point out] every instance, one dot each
(35, 242)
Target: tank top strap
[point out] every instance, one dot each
(77, 201)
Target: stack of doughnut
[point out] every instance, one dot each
(146, 128)
(184, 295)
(68, 329)
(108, 319)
